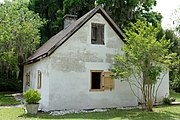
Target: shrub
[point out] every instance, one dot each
(166, 101)
(10, 85)
(32, 96)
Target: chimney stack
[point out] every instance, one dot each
(69, 19)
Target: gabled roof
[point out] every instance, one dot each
(57, 40)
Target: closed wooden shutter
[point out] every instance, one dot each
(94, 34)
(28, 79)
(100, 34)
(108, 81)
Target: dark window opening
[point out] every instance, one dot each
(97, 33)
(96, 80)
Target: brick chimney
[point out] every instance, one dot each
(69, 19)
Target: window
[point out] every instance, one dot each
(97, 33)
(39, 79)
(96, 79)
(101, 80)
(28, 79)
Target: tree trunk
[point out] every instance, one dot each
(20, 76)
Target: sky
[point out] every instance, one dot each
(166, 8)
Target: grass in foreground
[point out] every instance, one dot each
(6, 98)
(159, 113)
(175, 95)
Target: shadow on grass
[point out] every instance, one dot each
(6, 99)
(134, 114)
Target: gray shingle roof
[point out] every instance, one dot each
(57, 40)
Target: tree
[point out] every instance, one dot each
(176, 73)
(125, 11)
(78, 7)
(121, 11)
(19, 35)
(176, 20)
(144, 59)
(175, 69)
(52, 12)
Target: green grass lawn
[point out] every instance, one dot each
(159, 113)
(171, 112)
(6, 98)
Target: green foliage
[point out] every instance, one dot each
(52, 11)
(175, 85)
(19, 36)
(78, 7)
(123, 12)
(160, 113)
(11, 85)
(144, 59)
(141, 48)
(19, 28)
(32, 96)
(170, 35)
(174, 74)
(166, 101)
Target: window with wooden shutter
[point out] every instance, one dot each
(101, 80)
(28, 79)
(108, 81)
(97, 33)
(39, 79)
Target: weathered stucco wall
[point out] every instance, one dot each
(70, 71)
(162, 87)
(43, 66)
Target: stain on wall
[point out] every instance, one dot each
(74, 61)
(109, 58)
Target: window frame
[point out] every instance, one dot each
(101, 89)
(39, 80)
(98, 27)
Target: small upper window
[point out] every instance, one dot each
(97, 33)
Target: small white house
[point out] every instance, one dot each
(71, 69)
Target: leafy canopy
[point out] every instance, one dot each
(142, 48)
(125, 11)
(19, 30)
(144, 59)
